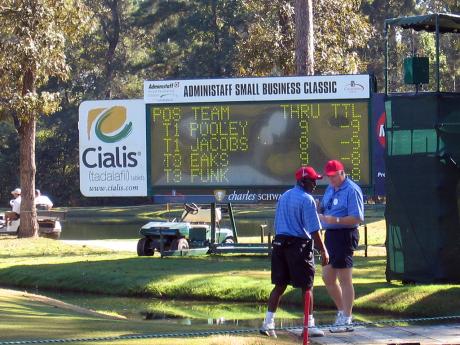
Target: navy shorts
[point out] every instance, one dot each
(340, 244)
(293, 262)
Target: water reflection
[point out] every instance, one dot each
(199, 312)
(79, 230)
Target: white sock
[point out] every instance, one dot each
(311, 321)
(269, 317)
(340, 312)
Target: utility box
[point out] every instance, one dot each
(416, 70)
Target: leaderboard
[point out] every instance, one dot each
(254, 143)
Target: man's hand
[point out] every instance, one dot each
(348, 220)
(322, 248)
(324, 257)
(318, 205)
(327, 219)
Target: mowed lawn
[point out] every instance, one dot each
(45, 264)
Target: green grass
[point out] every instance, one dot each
(46, 264)
(24, 318)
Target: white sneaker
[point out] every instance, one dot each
(338, 319)
(314, 331)
(268, 329)
(342, 324)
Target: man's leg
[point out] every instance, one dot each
(332, 286)
(268, 326)
(348, 292)
(275, 297)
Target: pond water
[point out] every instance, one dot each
(113, 226)
(76, 230)
(198, 312)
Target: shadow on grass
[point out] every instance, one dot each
(413, 300)
(438, 303)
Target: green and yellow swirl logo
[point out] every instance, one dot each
(109, 124)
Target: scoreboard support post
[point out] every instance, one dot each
(213, 223)
(232, 221)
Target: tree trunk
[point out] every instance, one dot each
(215, 29)
(29, 226)
(111, 29)
(304, 44)
(310, 40)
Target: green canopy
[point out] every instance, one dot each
(447, 22)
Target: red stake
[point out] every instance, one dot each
(306, 314)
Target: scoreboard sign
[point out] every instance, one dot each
(253, 133)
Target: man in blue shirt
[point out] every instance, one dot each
(341, 212)
(296, 226)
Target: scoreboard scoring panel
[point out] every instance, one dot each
(255, 144)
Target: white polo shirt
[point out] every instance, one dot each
(17, 205)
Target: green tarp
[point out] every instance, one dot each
(422, 162)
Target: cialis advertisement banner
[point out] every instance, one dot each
(113, 155)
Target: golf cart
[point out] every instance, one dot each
(193, 230)
(49, 224)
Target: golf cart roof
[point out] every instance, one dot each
(447, 22)
(203, 215)
(166, 225)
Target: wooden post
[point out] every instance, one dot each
(262, 232)
(162, 245)
(365, 240)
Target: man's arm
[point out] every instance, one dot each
(322, 248)
(348, 220)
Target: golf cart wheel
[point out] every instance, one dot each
(229, 239)
(144, 247)
(179, 244)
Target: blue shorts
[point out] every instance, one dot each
(340, 244)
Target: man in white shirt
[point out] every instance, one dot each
(16, 193)
(15, 205)
(42, 201)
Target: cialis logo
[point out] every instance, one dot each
(110, 125)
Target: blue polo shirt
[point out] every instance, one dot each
(347, 200)
(296, 214)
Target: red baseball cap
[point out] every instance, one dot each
(332, 167)
(307, 172)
